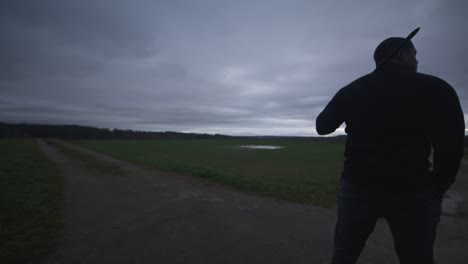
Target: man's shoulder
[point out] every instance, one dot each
(422, 80)
(431, 80)
(359, 82)
(436, 86)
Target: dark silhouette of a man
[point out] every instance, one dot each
(394, 116)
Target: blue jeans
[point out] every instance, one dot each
(412, 217)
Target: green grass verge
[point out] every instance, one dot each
(302, 171)
(31, 202)
(89, 161)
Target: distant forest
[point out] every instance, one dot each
(88, 132)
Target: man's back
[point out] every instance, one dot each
(391, 117)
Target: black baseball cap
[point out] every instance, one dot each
(390, 46)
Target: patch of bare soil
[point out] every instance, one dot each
(147, 216)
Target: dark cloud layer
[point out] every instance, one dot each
(233, 67)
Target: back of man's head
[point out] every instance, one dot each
(387, 47)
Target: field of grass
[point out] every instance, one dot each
(302, 171)
(31, 200)
(89, 161)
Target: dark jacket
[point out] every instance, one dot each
(394, 116)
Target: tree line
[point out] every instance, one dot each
(88, 132)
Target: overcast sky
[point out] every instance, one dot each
(244, 67)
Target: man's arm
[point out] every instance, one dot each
(331, 117)
(447, 136)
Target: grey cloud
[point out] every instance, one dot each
(105, 27)
(241, 67)
(56, 37)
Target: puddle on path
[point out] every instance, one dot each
(260, 147)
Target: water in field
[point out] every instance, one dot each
(260, 147)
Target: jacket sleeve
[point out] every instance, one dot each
(332, 116)
(447, 137)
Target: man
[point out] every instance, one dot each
(394, 116)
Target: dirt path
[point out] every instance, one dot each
(147, 216)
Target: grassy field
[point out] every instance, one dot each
(88, 160)
(302, 171)
(31, 199)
